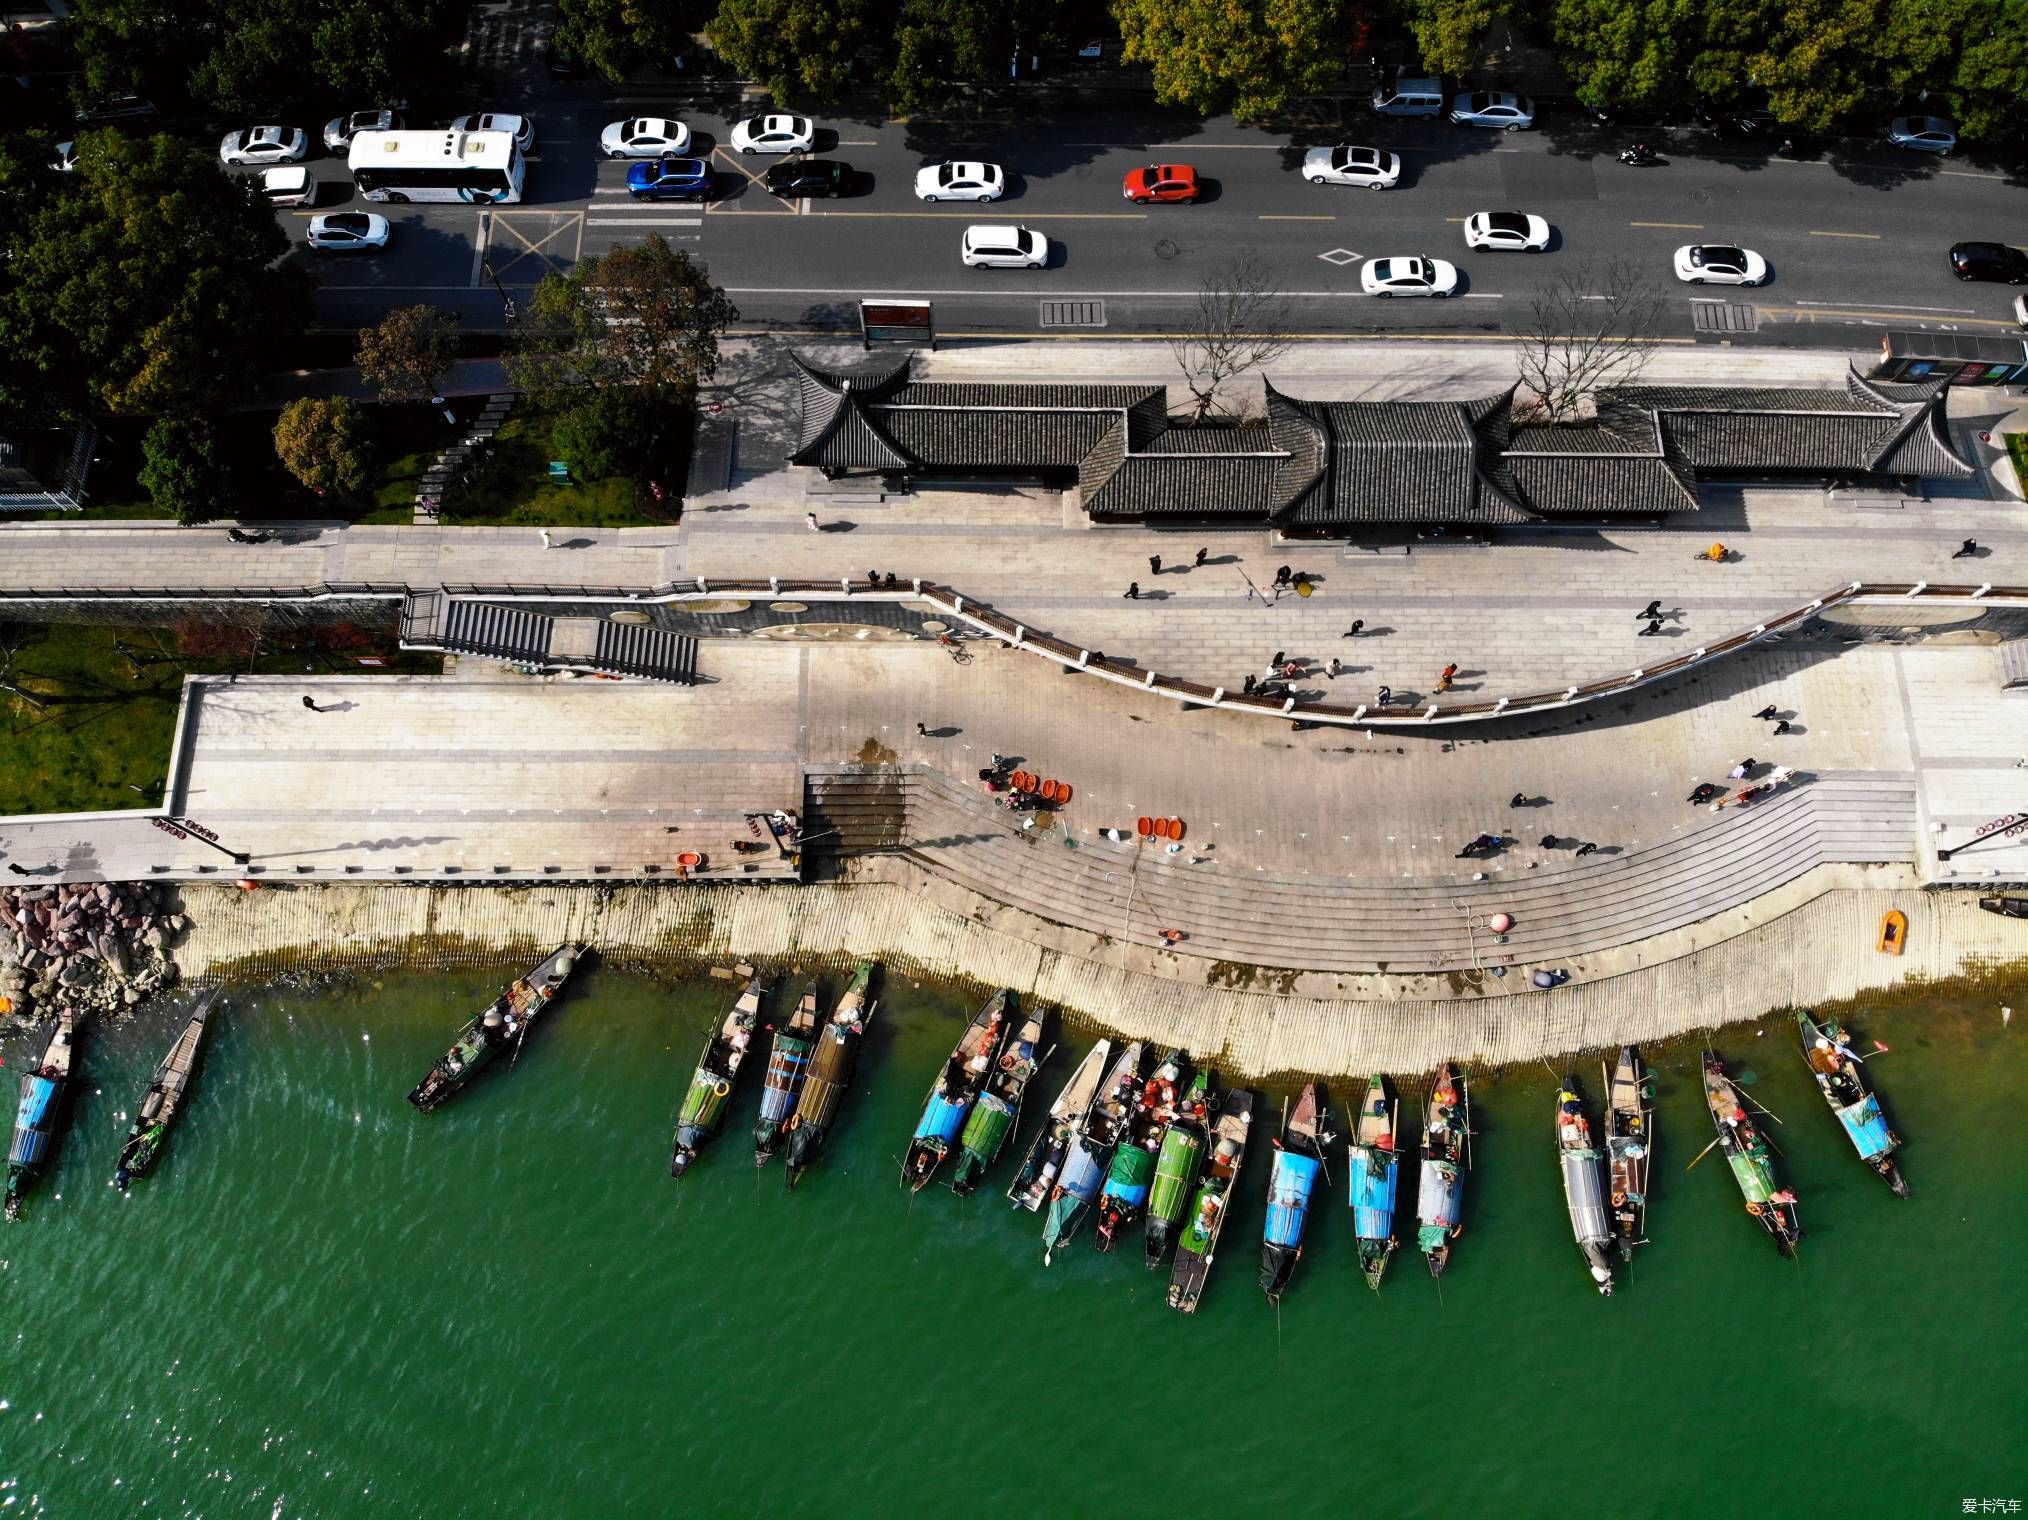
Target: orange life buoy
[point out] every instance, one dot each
(1755, 1210)
(1175, 828)
(1619, 1200)
(1016, 778)
(1049, 790)
(1030, 781)
(1144, 826)
(690, 859)
(1063, 791)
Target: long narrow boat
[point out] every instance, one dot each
(1446, 1154)
(1630, 1147)
(162, 1101)
(1752, 1161)
(788, 1064)
(1176, 1169)
(1123, 1198)
(998, 1110)
(1583, 1165)
(1376, 1176)
(1841, 1078)
(959, 1081)
(1299, 1156)
(709, 1094)
(1198, 1246)
(39, 1118)
(1084, 1169)
(500, 1026)
(1052, 1143)
(831, 1070)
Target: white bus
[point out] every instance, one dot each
(481, 167)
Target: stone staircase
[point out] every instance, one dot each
(429, 496)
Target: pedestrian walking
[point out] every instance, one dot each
(811, 519)
(1653, 630)
(922, 729)
(1444, 679)
(1353, 631)
(1385, 697)
(545, 540)
(1742, 770)
(1519, 799)
(1766, 712)
(1967, 549)
(1652, 610)
(311, 704)
(1282, 576)
(1587, 848)
(1154, 564)
(1247, 690)
(1133, 591)
(1200, 557)
(18, 870)
(1782, 727)
(1276, 663)
(1333, 668)
(1704, 793)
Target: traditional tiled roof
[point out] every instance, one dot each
(1395, 461)
(1191, 472)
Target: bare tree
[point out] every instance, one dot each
(1592, 325)
(1241, 323)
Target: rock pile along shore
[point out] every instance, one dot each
(87, 946)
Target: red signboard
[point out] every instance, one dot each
(897, 322)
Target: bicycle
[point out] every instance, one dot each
(958, 653)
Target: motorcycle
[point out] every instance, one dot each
(1642, 158)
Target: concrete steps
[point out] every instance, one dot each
(444, 472)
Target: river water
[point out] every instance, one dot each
(325, 1304)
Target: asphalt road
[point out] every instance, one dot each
(1856, 237)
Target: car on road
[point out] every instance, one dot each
(1719, 264)
(644, 137)
(264, 145)
(1493, 108)
(999, 246)
(960, 180)
(2021, 311)
(1409, 277)
(669, 178)
(288, 185)
(1925, 134)
(808, 176)
(1160, 182)
(346, 230)
(775, 134)
(520, 128)
(340, 130)
(1737, 123)
(112, 108)
(2000, 263)
(1508, 231)
(1374, 168)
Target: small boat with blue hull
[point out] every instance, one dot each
(39, 1119)
(1376, 1174)
(1583, 1165)
(163, 1099)
(831, 1070)
(1197, 1247)
(1053, 1143)
(1841, 1078)
(1446, 1154)
(959, 1082)
(499, 1027)
(1176, 1169)
(1750, 1157)
(1630, 1148)
(1299, 1157)
(788, 1064)
(1084, 1168)
(998, 1111)
(1123, 1200)
(710, 1090)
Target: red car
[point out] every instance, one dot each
(1161, 182)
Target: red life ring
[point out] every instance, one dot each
(1175, 828)
(1144, 826)
(1063, 791)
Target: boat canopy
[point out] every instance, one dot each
(38, 1100)
(1133, 1169)
(1436, 1198)
(1289, 1189)
(1082, 1174)
(992, 1116)
(1374, 1175)
(1867, 1127)
(1584, 1191)
(942, 1118)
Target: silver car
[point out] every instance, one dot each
(519, 127)
(264, 145)
(340, 130)
(1925, 134)
(1493, 108)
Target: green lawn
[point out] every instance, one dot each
(2017, 449)
(514, 488)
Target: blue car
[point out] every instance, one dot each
(670, 179)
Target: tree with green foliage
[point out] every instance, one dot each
(939, 44)
(1626, 52)
(1449, 32)
(796, 50)
(614, 37)
(184, 469)
(1250, 57)
(408, 354)
(327, 445)
(614, 432)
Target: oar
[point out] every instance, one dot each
(1701, 1154)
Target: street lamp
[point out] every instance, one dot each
(506, 301)
(184, 828)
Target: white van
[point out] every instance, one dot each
(1409, 97)
(288, 185)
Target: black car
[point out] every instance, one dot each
(1738, 122)
(808, 176)
(1640, 118)
(1997, 262)
(561, 62)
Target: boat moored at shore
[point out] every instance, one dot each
(1176, 1169)
(959, 1081)
(502, 1025)
(1750, 1158)
(1841, 1078)
(832, 1066)
(40, 1116)
(998, 1110)
(1583, 1166)
(1197, 1247)
(1052, 1144)
(1123, 1199)
(1299, 1157)
(1630, 1146)
(710, 1091)
(1446, 1154)
(1375, 1178)
(788, 1065)
(163, 1099)
(1084, 1169)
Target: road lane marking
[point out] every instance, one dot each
(1971, 174)
(1882, 316)
(1192, 147)
(479, 247)
(973, 215)
(1473, 295)
(645, 221)
(858, 142)
(1942, 311)
(1872, 236)
(1266, 217)
(1685, 226)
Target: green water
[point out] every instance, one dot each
(324, 1304)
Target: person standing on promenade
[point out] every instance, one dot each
(1652, 610)
(1133, 591)
(1154, 564)
(1199, 561)
(310, 702)
(1353, 631)
(1444, 679)
(1969, 549)
(1384, 697)
(811, 519)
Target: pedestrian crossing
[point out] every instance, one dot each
(616, 217)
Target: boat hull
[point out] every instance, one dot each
(1291, 1184)
(500, 1027)
(40, 1116)
(1197, 1245)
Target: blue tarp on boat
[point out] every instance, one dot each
(1082, 1174)
(785, 1068)
(38, 1101)
(941, 1120)
(1867, 1126)
(1289, 1188)
(1374, 1174)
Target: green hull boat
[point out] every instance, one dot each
(710, 1090)
(1198, 1244)
(1176, 1170)
(998, 1110)
(1750, 1158)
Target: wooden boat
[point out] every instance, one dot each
(1376, 1175)
(1583, 1165)
(959, 1081)
(788, 1064)
(709, 1094)
(1630, 1146)
(1123, 1199)
(500, 1026)
(1077, 1187)
(1198, 1245)
(831, 1071)
(1051, 1146)
(39, 1119)
(1176, 1167)
(163, 1099)
(1841, 1078)
(1751, 1159)
(2006, 906)
(1299, 1156)
(1893, 932)
(998, 1111)
(1446, 1155)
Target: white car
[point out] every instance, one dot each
(644, 137)
(348, 229)
(264, 145)
(519, 127)
(1719, 264)
(1925, 134)
(2021, 311)
(775, 134)
(65, 157)
(1492, 108)
(1343, 165)
(1409, 277)
(340, 130)
(1508, 231)
(988, 246)
(962, 181)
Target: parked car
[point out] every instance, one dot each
(2021, 311)
(345, 230)
(1737, 123)
(1719, 264)
(1925, 134)
(775, 134)
(1409, 277)
(340, 130)
(264, 145)
(2000, 263)
(808, 176)
(112, 108)
(1493, 108)
(1508, 231)
(1346, 165)
(1160, 182)
(998, 246)
(669, 178)
(289, 185)
(520, 128)
(644, 137)
(960, 180)
(1638, 118)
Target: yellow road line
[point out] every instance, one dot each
(1874, 236)
(1686, 226)
(1845, 313)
